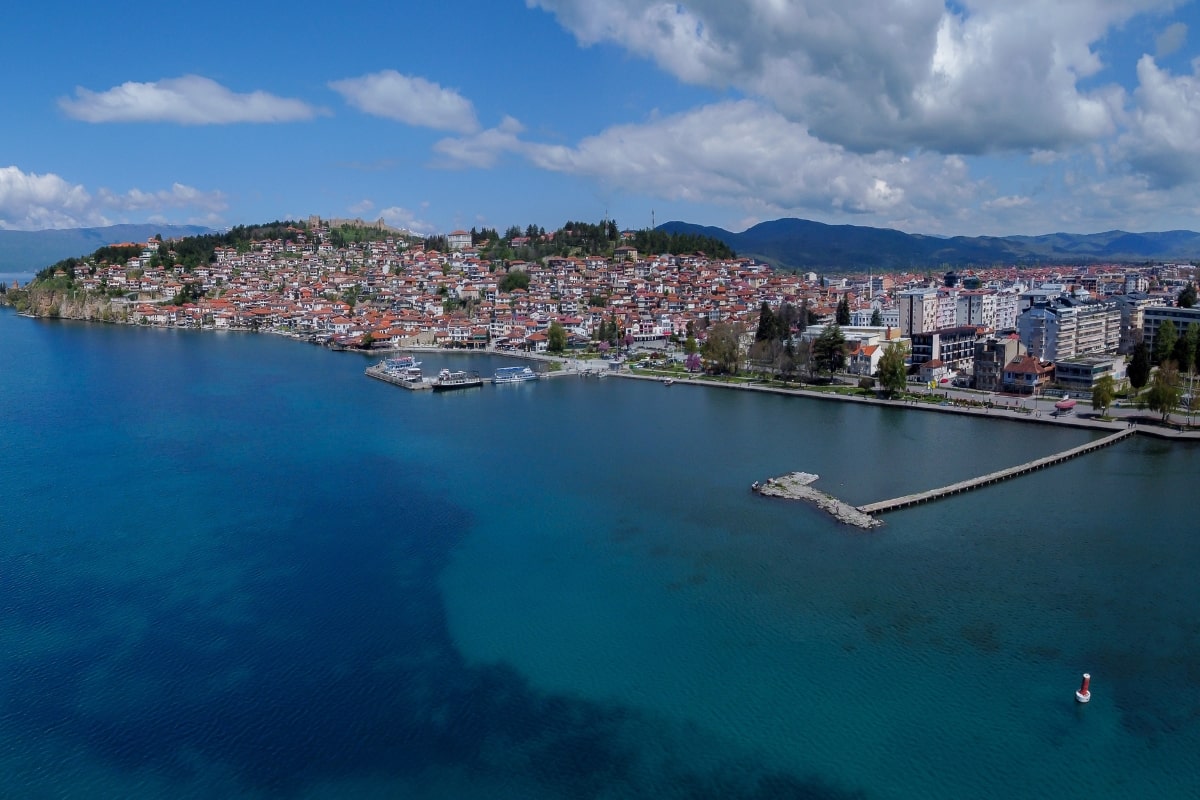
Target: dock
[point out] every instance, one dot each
(378, 372)
(907, 500)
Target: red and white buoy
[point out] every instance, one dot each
(1085, 692)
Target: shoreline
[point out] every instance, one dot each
(569, 366)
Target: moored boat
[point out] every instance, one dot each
(456, 379)
(514, 375)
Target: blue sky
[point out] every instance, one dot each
(975, 117)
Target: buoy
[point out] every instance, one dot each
(1085, 693)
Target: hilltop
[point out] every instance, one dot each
(27, 251)
(804, 244)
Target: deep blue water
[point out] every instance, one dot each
(233, 566)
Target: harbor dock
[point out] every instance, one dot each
(379, 372)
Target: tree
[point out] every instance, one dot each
(842, 315)
(766, 324)
(557, 336)
(517, 279)
(1184, 352)
(723, 347)
(1164, 393)
(692, 362)
(1103, 393)
(829, 349)
(689, 345)
(1164, 342)
(893, 373)
(876, 318)
(1139, 366)
(1187, 298)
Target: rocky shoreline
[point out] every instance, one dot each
(798, 486)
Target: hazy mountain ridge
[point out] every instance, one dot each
(804, 244)
(29, 251)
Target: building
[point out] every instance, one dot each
(1154, 316)
(1026, 375)
(991, 356)
(1133, 306)
(1081, 374)
(458, 240)
(954, 347)
(1065, 328)
(918, 310)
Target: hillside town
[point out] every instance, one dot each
(1007, 329)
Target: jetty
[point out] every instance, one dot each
(907, 500)
(379, 372)
(798, 486)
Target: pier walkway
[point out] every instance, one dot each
(994, 477)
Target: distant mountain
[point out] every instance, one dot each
(29, 251)
(804, 244)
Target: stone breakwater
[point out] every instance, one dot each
(798, 486)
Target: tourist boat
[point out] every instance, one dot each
(400, 364)
(457, 379)
(514, 375)
(668, 381)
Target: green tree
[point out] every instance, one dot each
(842, 315)
(893, 374)
(876, 318)
(1103, 393)
(1187, 298)
(1164, 342)
(1184, 352)
(690, 346)
(766, 324)
(516, 279)
(1139, 366)
(1164, 393)
(723, 347)
(557, 336)
(829, 349)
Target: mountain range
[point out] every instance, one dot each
(29, 251)
(804, 244)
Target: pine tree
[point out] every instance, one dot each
(1139, 366)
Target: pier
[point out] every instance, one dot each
(907, 500)
(378, 372)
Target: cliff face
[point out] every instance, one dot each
(63, 304)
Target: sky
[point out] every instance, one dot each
(973, 117)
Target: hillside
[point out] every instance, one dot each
(29, 251)
(804, 244)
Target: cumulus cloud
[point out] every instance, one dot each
(189, 100)
(738, 153)
(1161, 142)
(408, 99)
(1170, 39)
(29, 201)
(362, 207)
(973, 77)
(400, 217)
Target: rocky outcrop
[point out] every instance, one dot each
(798, 486)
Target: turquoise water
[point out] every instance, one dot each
(233, 566)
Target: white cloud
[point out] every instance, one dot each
(481, 149)
(408, 99)
(1170, 39)
(189, 100)
(972, 77)
(740, 154)
(361, 207)
(29, 201)
(1162, 142)
(399, 217)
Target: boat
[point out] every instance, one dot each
(514, 375)
(668, 381)
(400, 364)
(1064, 406)
(456, 379)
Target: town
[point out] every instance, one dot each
(1020, 330)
